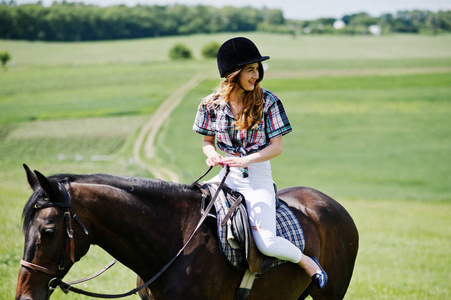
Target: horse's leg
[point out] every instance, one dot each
(284, 282)
(340, 248)
(330, 234)
(340, 245)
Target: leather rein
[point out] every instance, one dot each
(70, 248)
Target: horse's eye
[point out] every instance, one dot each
(47, 233)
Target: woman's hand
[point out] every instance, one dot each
(214, 160)
(274, 149)
(239, 162)
(213, 157)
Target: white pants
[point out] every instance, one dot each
(258, 189)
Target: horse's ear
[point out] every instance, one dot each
(44, 183)
(31, 177)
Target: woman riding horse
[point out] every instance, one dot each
(143, 223)
(248, 123)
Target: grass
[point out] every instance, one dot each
(401, 255)
(361, 131)
(369, 132)
(55, 92)
(371, 119)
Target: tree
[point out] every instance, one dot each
(443, 20)
(273, 16)
(66, 20)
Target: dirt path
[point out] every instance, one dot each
(144, 147)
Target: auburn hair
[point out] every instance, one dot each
(252, 112)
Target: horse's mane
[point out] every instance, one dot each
(134, 185)
(129, 184)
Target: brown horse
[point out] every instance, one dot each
(143, 223)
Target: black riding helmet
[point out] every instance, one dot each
(236, 53)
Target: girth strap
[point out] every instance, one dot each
(246, 286)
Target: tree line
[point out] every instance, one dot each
(65, 21)
(415, 21)
(79, 22)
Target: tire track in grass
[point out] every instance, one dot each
(144, 147)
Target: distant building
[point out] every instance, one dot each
(375, 30)
(339, 24)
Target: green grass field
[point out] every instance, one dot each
(372, 127)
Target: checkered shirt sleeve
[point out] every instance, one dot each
(204, 121)
(277, 122)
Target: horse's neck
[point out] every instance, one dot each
(128, 227)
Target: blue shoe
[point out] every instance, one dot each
(319, 279)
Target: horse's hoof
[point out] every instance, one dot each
(319, 279)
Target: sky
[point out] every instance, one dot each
(294, 9)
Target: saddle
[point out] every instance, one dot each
(234, 233)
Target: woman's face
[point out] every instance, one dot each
(249, 76)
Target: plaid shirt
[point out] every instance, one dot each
(219, 121)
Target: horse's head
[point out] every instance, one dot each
(49, 249)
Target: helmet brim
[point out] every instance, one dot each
(247, 62)
(251, 61)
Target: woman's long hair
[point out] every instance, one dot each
(252, 112)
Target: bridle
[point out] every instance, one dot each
(70, 247)
(70, 242)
